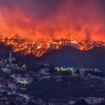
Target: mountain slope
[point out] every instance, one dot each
(70, 56)
(67, 55)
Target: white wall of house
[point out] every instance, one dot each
(44, 71)
(23, 80)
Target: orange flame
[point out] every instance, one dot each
(38, 48)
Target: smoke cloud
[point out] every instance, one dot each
(80, 19)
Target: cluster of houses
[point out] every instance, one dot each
(74, 70)
(14, 80)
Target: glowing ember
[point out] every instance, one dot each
(74, 42)
(81, 48)
(38, 48)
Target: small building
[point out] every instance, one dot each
(11, 58)
(24, 80)
(44, 71)
(45, 77)
(12, 85)
(71, 102)
(6, 70)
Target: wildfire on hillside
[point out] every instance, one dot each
(52, 24)
(38, 48)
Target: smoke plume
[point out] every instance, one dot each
(35, 19)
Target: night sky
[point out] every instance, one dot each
(82, 19)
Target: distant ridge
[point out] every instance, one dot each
(66, 55)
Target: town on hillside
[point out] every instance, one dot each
(31, 84)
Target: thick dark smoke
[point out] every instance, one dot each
(81, 19)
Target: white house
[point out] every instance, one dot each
(24, 80)
(44, 71)
(12, 86)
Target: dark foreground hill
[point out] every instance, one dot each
(66, 55)
(70, 56)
